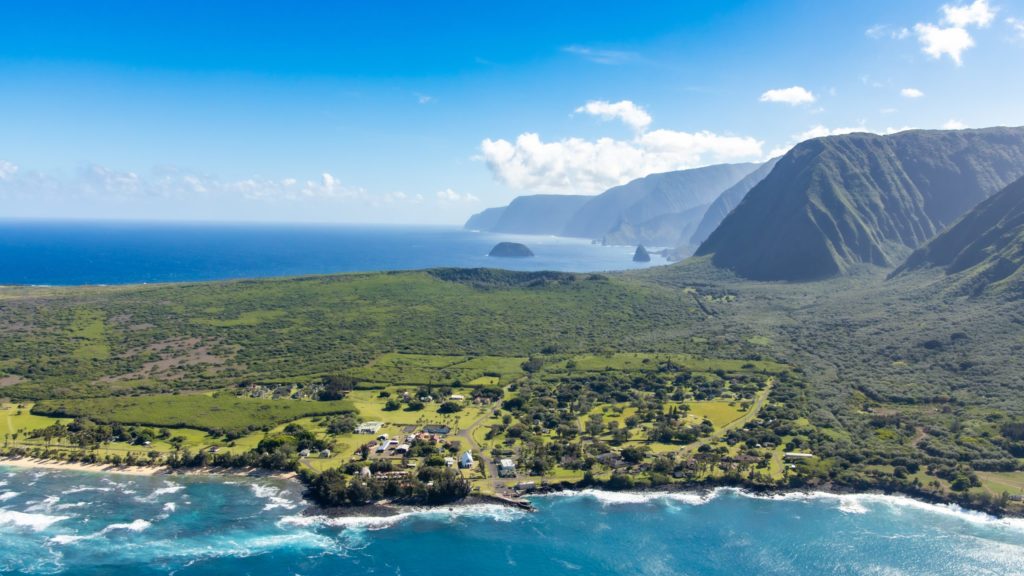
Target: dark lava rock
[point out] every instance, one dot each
(510, 250)
(641, 254)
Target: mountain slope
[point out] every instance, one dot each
(985, 248)
(537, 214)
(651, 196)
(668, 230)
(728, 200)
(485, 220)
(833, 203)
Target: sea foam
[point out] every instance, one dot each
(494, 512)
(37, 522)
(133, 526)
(273, 496)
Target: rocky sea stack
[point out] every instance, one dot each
(641, 254)
(510, 250)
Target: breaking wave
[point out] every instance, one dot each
(846, 503)
(37, 522)
(273, 496)
(133, 526)
(494, 512)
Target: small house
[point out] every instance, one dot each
(440, 429)
(383, 437)
(449, 461)
(466, 460)
(506, 468)
(304, 453)
(369, 427)
(325, 453)
(457, 397)
(525, 486)
(798, 455)
(401, 449)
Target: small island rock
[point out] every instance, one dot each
(510, 250)
(641, 254)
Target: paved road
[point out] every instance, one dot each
(492, 469)
(759, 401)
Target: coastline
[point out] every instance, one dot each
(695, 494)
(690, 493)
(35, 463)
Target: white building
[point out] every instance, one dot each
(369, 427)
(466, 460)
(506, 468)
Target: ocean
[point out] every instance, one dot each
(63, 522)
(74, 253)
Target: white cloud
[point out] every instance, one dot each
(629, 113)
(885, 31)
(1017, 25)
(954, 124)
(578, 166)
(936, 41)
(952, 38)
(449, 195)
(101, 183)
(978, 13)
(793, 96)
(817, 131)
(598, 56)
(424, 98)
(911, 93)
(7, 169)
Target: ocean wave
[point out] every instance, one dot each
(846, 503)
(494, 512)
(273, 496)
(37, 522)
(610, 498)
(78, 489)
(858, 503)
(133, 526)
(45, 505)
(168, 488)
(170, 507)
(8, 495)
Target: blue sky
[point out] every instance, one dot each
(420, 112)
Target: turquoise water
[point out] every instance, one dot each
(70, 253)
(80, 523)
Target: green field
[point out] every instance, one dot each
(222, 413)
(872, 374)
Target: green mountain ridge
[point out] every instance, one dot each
(727, 201)
(984, 249)
(832, 204)
(646, 198)
(538, 214)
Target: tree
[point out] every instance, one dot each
(449, 407)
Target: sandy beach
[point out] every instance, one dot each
(140, 470)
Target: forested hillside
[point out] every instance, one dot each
(833, 203)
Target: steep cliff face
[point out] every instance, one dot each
(984, 250)
(536, 214)
(832, 203)
(728, 200)
(651, 197)
(486, 220)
